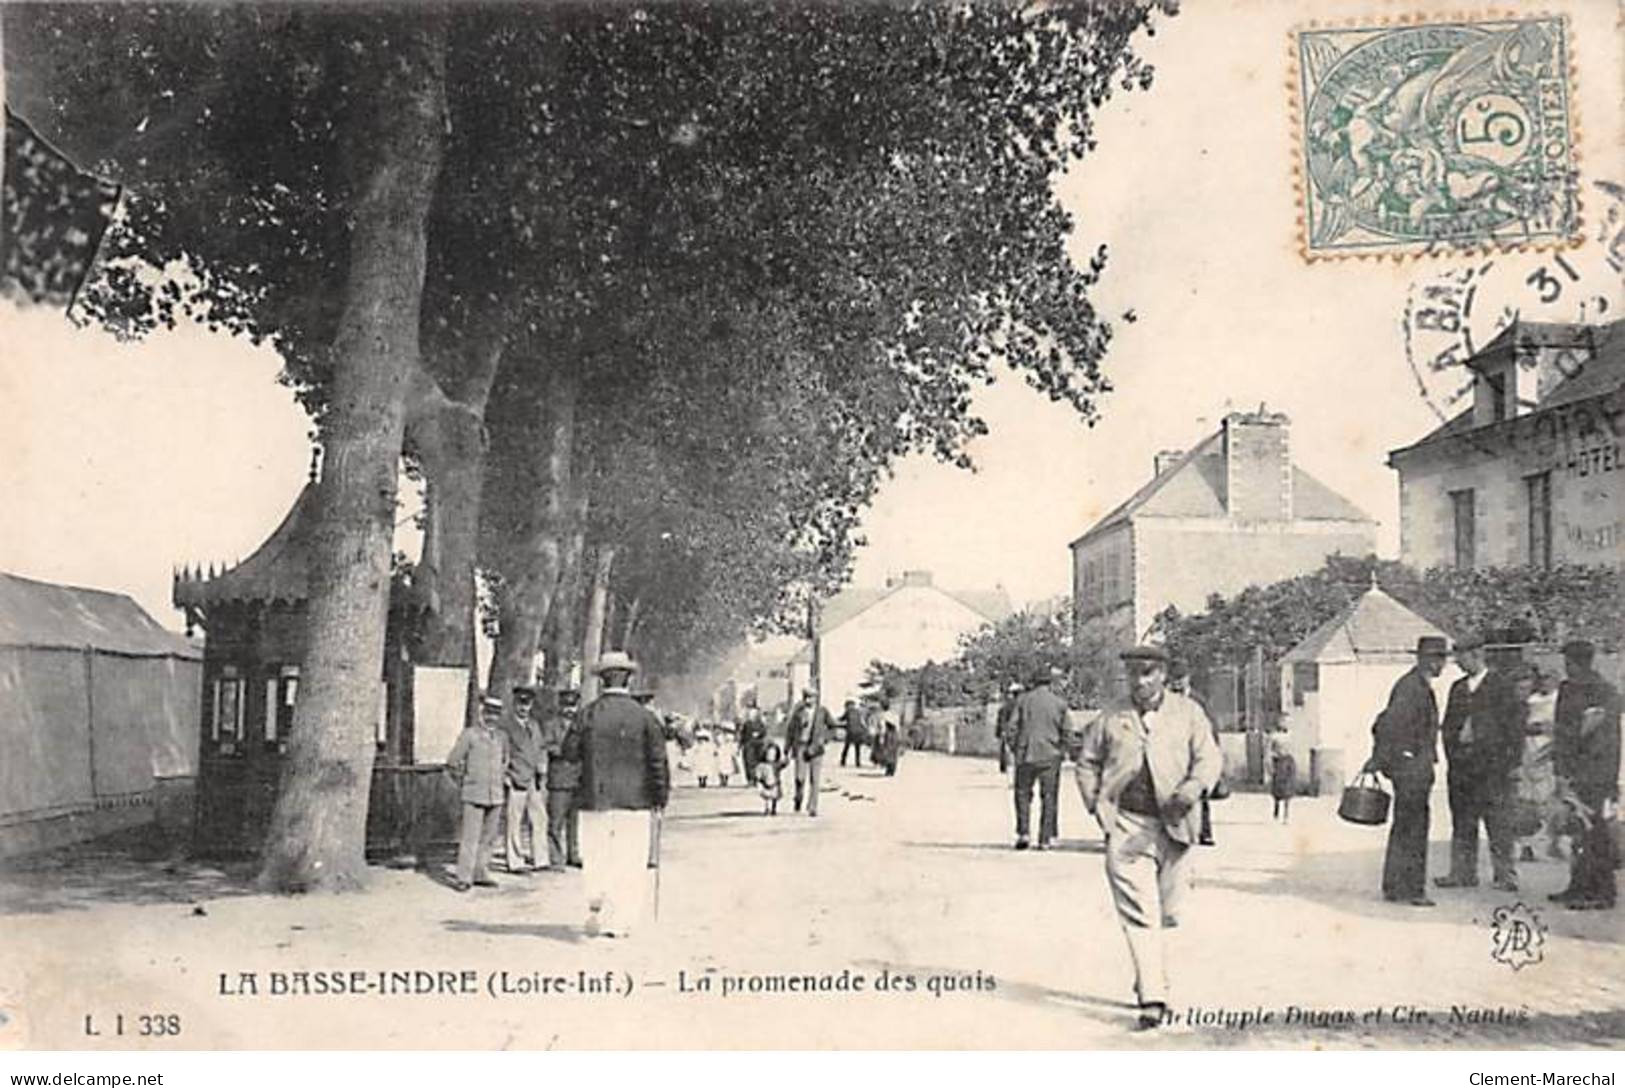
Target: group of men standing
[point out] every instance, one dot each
(592, 784)
(1483, 729)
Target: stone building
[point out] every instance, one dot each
(1232, 512)
(1530, 472)
(908, 622)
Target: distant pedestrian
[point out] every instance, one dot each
(888, 744)
(727, 754)
(1587, 747)
(768, 776)
(562, 735)
(624, 778)
(527, 783)
(1143, 766)
(1038, 726)
(1404, 748)
(752, 735)
(1001, 728)
(855, 722)
(806, 734)
(478, 763)
(704, 758)
(1283, 779)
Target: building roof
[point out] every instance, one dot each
(277, 571)
(993, 605)
(1602, 373)
(1375, 625)
(44, 615)
(1194, 487)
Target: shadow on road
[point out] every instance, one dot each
(552, 931)
(91, 875)
(1064, 847)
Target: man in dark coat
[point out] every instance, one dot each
(1405, 743)
(752, 736)
(561, 733)
(1038, 742)
(624, 776)
(1586, 734)
(805, 736)
(1483, 743)
(855, 721)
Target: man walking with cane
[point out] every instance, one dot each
(805, 737)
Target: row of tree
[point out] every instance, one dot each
(1513, 605)
(650, 297)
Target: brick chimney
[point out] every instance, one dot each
(1258, 466)
(1165, 460)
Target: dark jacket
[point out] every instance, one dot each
(1038, 727)
(1496, 744)
(856, 722)
(562, 736)
(527, 755)
(1405, 736)
(1588, 757)
(623, 756)
(807, 731)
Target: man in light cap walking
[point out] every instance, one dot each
(1143, 767)
(478, 763)
(624, 776)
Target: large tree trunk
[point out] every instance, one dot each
(564, 619)
(317, 836)
(447, 430)
(531, 576)
(592, 644)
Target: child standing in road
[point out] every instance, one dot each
(768, 777)
(1283, 780)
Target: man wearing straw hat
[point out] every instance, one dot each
(624, 776)
(1142, 770)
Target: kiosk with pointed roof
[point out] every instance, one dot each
(254, 616)
(1337, 678)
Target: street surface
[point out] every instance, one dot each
(907, 877)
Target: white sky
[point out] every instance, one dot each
(117, 461)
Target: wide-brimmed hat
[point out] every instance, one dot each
(615, 659)
(1146, 651)
(490, 702)
(1432, 645)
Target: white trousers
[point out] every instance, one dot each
(1150, 876)
(615, 867)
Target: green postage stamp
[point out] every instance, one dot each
(1431, 137)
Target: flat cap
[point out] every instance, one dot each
(1145, 652)
(1432, 644)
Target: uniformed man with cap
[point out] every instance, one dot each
(624, 777)
(1142, 768)
(561, 733)
(478, 763)
(1404, 747)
